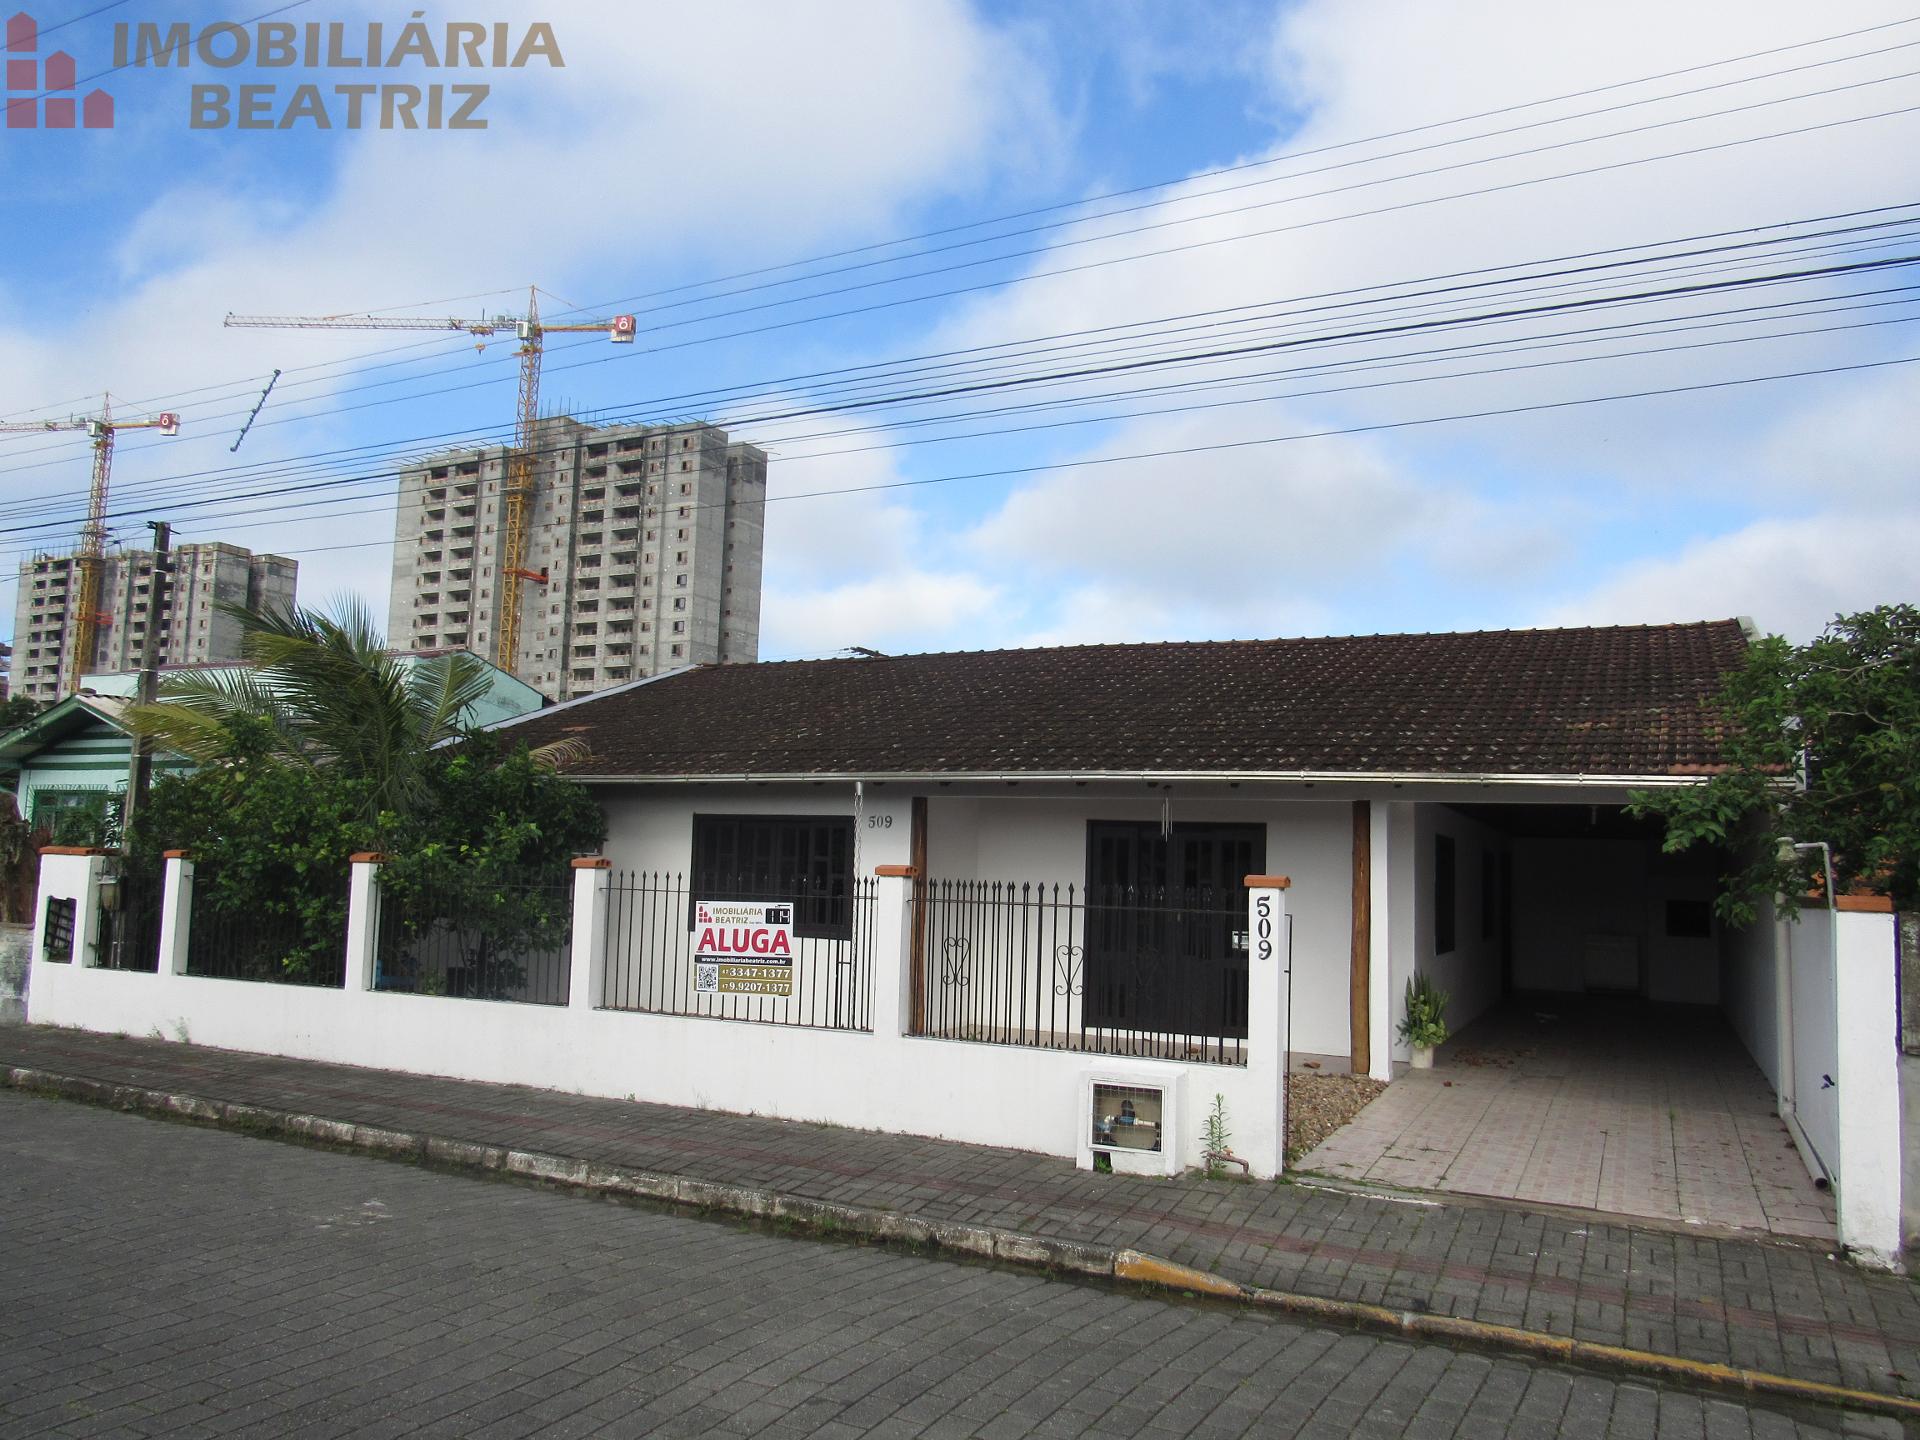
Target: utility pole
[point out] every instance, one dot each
(140, 762)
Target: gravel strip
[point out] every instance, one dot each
(1318, 1105)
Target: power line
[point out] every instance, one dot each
(1459, 375)
(350, 482)
(399, 502)
(1282, 200)
(251, 382)
(1376, 427)
(1396, 208)
(1557, 267)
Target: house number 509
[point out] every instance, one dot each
(879, 822)
(1263, 927)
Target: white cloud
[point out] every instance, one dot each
(1480, 521)
(741, 134)
(1861, 446)
(911, 609)
(1790, 575)
(712, 136)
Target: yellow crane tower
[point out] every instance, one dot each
(516, 495)
(101, 428)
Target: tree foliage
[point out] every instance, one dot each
(19, 862)
(324, 693)
(17, 710)
(326, 746)
(271, 841)
(1822, 743)
(481, 868)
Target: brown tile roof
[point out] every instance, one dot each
(1624, 700)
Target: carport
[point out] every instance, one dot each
(1616, 1048)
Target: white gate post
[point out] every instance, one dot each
(363, 921)
(1866, 1006)
(176, 912)
(892, 950)
(1268, 963)
(592, 878)
(69, 872)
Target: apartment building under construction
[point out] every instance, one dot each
(643, 555)
(191, 628)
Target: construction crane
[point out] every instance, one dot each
(87, 614)
(516, 495)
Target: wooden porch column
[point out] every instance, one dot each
(1360, 965)
(917, 942)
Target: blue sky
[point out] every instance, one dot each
(681, 143)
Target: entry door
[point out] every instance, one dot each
(1166, 926)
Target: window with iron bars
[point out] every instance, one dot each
(807, 859)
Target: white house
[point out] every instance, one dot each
(1061, 899)
(1448, 804)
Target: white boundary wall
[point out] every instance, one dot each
(1024, 1098)
(1867, 1004)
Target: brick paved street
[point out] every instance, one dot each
(1769, 1306)
(164, 1280)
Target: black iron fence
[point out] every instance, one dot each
(1155, 973)
(129, 933)
(228, 940)
(506, 939)
(662, 959)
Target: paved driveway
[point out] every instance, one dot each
(1624, 1108)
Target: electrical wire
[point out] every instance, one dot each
(282, 491)
(1293, 199)
(1436, 285)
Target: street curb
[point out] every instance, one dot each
(1580, 1214)
(985, 1242)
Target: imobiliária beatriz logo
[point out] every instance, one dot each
(39, 94)
(39, 91)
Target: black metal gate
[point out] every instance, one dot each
(129, 931)
(1166, 929)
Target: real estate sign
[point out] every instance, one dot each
(742, 947)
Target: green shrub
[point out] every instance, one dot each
(1424, 1026)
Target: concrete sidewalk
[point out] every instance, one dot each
(1778, 1307)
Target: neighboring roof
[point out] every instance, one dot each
(120, 678)
(72, 715)
(507, 694)
(1617, 701)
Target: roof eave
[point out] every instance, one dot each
(51, 725)
(1283, 777)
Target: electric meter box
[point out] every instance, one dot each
(1133, 1119)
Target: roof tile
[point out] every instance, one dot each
(1622, 700)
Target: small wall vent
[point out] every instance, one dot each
(1130, 1122)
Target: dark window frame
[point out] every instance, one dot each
(1688, 919)
(803, 859)
(1446, 892)
(56, 939)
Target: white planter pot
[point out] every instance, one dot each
(1423, 1057)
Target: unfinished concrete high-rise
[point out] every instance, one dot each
(649, 538)
(190, 630)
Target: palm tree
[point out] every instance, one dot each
(328, 693)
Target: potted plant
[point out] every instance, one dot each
(1424, 1025)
